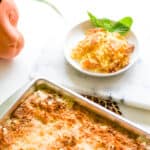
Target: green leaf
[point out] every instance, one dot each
(107, 24)
(94, 20)
(126, 21)
(120, 28)
(103, 23)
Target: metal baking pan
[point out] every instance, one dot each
(11, 104)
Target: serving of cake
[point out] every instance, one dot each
(49, 121)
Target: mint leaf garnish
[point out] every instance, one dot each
(94, 20)
(126, 21)
(106, 24)
(122, 26)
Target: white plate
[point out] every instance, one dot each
(77, 33)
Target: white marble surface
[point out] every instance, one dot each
(42, 54)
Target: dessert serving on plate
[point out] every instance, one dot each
(102, 47)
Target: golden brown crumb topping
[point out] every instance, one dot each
(45, 121)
